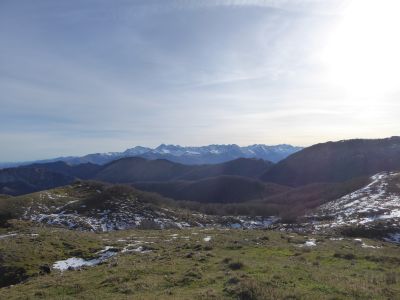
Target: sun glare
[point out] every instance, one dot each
(363, 53)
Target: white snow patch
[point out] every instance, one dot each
(207, 238)
(363, 245)
(135, 248)
(76, 262)
(174, 236)
(310, 243)
(3, 236)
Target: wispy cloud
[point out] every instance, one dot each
(92, 76)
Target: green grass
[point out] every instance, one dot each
(235, 264)
(30, 249)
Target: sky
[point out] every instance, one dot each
(79, 77)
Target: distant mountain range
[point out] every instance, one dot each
(211, 154)
(300, 182)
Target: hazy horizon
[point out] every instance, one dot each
(122, 150)
(169, 144)
(99, 76)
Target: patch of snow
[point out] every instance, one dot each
(3, 236)
(310, 243)
(363, 245)
(337, 239)
(74, 263)
(215, 151)
(182, 225)
(207, 238)
(193, 152)
(134, 248)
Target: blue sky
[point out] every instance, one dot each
(93, 76)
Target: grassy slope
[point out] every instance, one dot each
(29, 248)
(235, 264)
(90, 194)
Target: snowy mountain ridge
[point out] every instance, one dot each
(210, 154)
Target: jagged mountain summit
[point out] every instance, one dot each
(210, 154)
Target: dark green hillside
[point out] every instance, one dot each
(298, 201)
(246, 167)
(336, 162)
(82, 171)
(222, 189)
(36, 177)
(132, 169)
(136, 169)
(17, 181)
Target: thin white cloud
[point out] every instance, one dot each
(78, 77)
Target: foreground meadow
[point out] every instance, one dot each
(195, 264)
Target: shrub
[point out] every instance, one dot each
(236, 265)
(147, 224)
(348, 256)
(226, 260)
(12, 275)
(391, 278)
(248, 289)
